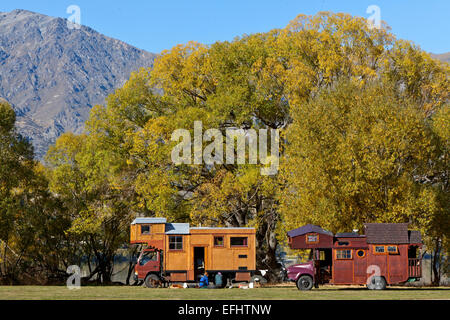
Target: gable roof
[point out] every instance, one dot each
(387, 233)
(307, 229)
(414, 236)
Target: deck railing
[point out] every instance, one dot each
(414, 268)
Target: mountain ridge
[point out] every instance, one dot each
(53, 75)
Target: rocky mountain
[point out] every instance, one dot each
(53, 74)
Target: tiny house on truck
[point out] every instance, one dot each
(385, 254)
(177, 252)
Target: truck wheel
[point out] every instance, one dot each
(305, 282)
(152, 281)
(377, 283)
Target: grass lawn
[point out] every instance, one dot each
(277, 293)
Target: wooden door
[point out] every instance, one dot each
(343, 266)
(360, 266)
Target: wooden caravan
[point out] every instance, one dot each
(178, 252)
(385, 254)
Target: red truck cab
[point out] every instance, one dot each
(149, 261)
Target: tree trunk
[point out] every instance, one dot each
(131, 264)
(436, 263)
(266, 245)
(106, 270)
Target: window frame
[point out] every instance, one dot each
(219, 245)
(359, 250)
(341, 250)
(312, 234)
(375, 249)
(239, 245)
(391, 252)
(149, 229)
(176, 242)
(155, 254)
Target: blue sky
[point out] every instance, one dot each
(158, 25)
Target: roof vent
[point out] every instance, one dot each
(355, 230)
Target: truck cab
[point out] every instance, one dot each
(149, 262)
(302, 274)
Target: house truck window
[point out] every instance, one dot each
(238, 241)
(312, 238)
(145, 229)
(218, 241)
(343, 254)
(379, 249)
(176, 243)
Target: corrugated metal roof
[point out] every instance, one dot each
(149, 220)
(177, 228)
(387, 233)
(307, 229)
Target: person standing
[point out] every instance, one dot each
(218, 280)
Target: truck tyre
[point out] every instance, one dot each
(305, 282)
(152, 281)
(377, 283)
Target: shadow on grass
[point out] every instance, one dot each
(362, 288)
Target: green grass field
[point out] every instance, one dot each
(277, 293)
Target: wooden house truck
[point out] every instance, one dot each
(385, 254)
(177, 252)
